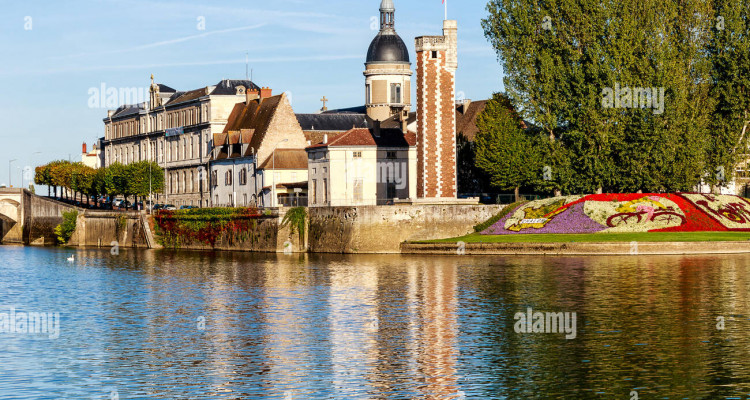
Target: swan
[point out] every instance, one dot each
(71, 258)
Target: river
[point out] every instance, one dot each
(189, 325)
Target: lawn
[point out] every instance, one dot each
(600, 237)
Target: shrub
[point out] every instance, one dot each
(65, 230)
(296, 218)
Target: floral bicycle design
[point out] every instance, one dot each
(665, 216)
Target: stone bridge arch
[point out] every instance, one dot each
(10, 215)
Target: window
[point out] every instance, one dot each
(368, 94)
(396, 93)
(325, 170)
(434, 54)
(314, 171)
(228, 178)
(325, 191)
(314, 190)
(357, 154)
(391, 155)
(215, 179)
(243, 178)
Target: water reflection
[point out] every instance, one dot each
(241, 326)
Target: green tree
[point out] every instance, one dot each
(561, 57)
(505, 150)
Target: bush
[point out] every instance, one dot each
(296, 218)
(507, 210)
(65, 230)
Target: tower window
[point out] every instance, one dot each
(434, 54)
(396, 93)
(368, 94)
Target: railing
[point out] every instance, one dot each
(300, 201)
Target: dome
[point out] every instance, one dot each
(387, 47)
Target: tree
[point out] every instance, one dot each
(730, 74)
(564, 64)
(504, 149)
(144, 177)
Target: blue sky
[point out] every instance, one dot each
(308, 48)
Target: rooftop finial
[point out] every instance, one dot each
(387, 15)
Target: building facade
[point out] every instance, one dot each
(175, 129)
(259, 159)
(362, 167)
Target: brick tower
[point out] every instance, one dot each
(437, 61)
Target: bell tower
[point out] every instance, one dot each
(387, 70)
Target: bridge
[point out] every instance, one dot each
(27, 218)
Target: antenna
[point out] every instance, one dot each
(247, 66)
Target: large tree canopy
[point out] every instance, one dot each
(628, 92)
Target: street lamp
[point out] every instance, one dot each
(273, 188)
(20, 170)
(10, 178)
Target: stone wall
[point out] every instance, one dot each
(42, 216)
(382, 229)
(96, 228)
(29, 219)
(267, 235)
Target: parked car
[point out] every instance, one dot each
(187, 207)
(170, 207)
(158, 207)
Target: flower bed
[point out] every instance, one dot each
(627, 212)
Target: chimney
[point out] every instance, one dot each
(325, 138)
(376, 128)
(404, 121)
(251, 95)
(265, 93)
(84, 148)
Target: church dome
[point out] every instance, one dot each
(387, 47)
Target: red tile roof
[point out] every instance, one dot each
(366, 137)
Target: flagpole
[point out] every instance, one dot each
(445, 2)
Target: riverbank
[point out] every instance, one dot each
(587, 244)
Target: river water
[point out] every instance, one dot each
(190, 325)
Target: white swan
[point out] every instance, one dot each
(71, 258)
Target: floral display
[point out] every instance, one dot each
(627, 212)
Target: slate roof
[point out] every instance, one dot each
(182, 97)
(339, 122)
(128, 109)
(165, 88)
(366, 137)
(229, 86)
(287, 159)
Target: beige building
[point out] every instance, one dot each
(362, 167)
(94, 158)
(176, 130)
(259, 159)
